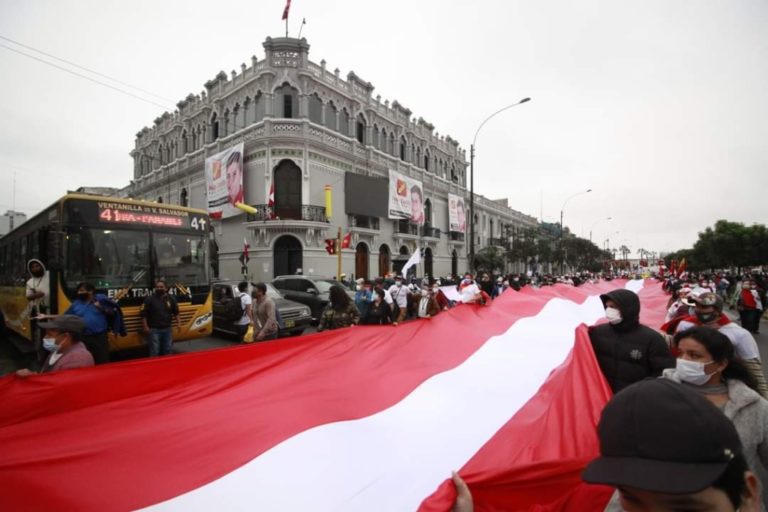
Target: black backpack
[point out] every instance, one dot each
(235, 311)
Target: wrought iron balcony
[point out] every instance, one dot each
(305, 212)
(405, 227)
(430, 231)
(456, 236)
(499, 242)
(364, 222)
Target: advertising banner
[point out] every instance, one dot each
(406, 198)
(457, 214)
(224, 182)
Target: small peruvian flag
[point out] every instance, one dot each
(271, 198)
(244, 257)
(346, 242)
(287, 8)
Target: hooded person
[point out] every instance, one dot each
(37, 292)
(626, 350)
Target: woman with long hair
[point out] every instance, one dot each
(707, 363)
(379, 312)
(340, 311)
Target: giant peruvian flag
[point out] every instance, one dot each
(368, 418)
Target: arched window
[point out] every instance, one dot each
(258, 108)
(287, 98)
(428, 212)
(287, 178)
(247, 111)
(331, 116)
(183, 197)
(160, 199)
(360, 127)
(402, 148)
(426, 160)
(315, 109)
(391, 145)
(383, 141)
(454, 176)
(344, 122)
(214, 127)
(237, 118)
(184, 143)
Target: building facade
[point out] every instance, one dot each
(304, 128)
(10, 220)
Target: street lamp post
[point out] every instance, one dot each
(562, 252)
(472, 182)
(595, 224)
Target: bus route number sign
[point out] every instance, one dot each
(118, 216)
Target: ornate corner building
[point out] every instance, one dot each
(304, 127)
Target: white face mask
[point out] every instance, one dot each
(613, 315)
(359, 287)
(692, 372)
(424, 293)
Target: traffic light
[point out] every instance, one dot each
(330, 246)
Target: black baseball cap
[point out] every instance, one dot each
(64, 323)
(659, 436)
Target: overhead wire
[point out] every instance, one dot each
(123, 91)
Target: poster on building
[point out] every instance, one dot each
(224, 182)
(406, 198)
(457, 213)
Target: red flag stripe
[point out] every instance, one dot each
(199, 401)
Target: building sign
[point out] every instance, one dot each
(224, 182)
(406, 198)
(457, 214)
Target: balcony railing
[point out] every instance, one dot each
(430, 231)
(306, 212)
(499, 242)
(407, 228)
(456, 236)
(363, 221)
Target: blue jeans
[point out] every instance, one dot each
(160, 341)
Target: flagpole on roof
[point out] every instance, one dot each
(303, 22)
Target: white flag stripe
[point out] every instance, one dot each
(394, 459)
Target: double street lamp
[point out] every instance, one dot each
(472, 182)
(562, 252)
(598, 221)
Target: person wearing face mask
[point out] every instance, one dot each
(379, 312)
(427, 306)
(399, 295)
(363, 296)
(62, 342)
(94, 337)
(750, 307)
(708, 364)
(158, 313)
(709, 312)
(627, 351)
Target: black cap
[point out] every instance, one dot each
(64, 323)
(658, 436)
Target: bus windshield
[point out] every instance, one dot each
(118, 258)
(181, 258)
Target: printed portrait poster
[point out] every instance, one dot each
(406, 198)
(457, 213)
(224, 182)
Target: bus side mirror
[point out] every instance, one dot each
(56, 246)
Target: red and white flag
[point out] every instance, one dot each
(271, 199)
(346, 241)
(287, 8)
(371, 418)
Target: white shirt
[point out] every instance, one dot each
(246, 301)
(469, 292)
(743, 342)
(423, 305)
(38, 284)
(399, 294)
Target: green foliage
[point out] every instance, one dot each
(489, 259)
(726, 244)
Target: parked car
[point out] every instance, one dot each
(311, 291)
(295, 317)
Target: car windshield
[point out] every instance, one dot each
(324, 285)
(272, 292)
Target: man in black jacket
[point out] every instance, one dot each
(627, 351)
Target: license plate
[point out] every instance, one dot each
(289, 323)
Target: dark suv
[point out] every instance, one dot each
(295, 317)
(312, 291)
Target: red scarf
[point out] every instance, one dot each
(671, 326)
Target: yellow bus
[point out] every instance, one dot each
(120, 246)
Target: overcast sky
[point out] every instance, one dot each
(659, 106)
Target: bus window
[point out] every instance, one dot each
(107, 258)
(181, 258)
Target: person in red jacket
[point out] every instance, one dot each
(749, 306)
